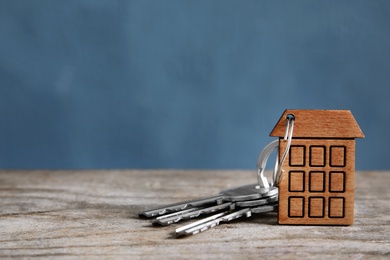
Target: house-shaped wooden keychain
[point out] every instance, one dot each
(317, 185)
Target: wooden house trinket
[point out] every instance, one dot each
(317, 186)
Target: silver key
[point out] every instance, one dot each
(181, 230)
(191, 213)
(215, 220)
(196, 212)
(242, 193)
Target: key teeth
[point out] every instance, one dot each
(217, 222)
(202, 227)
(211, 225)
(154, 213)
(192, 213)
(222, 217)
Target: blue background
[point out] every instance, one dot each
(184, 84)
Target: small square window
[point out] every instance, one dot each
(316, 207)
(296, 181)
(297, 155)
(337, 181)
(338, 156)
(317, 155)
(336, 207)
(317, 181)
(296, 207)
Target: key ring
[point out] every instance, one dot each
(266, 152)
(262, 162)
(278, 174)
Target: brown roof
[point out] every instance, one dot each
(320, 123)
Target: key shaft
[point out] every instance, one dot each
(193, 213)
(181, 206)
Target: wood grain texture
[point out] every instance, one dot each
(90, 214)
(323, 149)
(318, 185)
(320, 124)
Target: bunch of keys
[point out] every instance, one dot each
(230, 204)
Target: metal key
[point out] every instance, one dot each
(242, 193)
(196, 212)
(191, 213)
(215, 220)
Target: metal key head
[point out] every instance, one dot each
(248, 192)
(264, 209)
(259, 202)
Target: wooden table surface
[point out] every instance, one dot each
(90, 214)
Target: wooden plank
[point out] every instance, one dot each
(90, 214)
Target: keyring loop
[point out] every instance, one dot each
(262, 162)
(287, 137)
